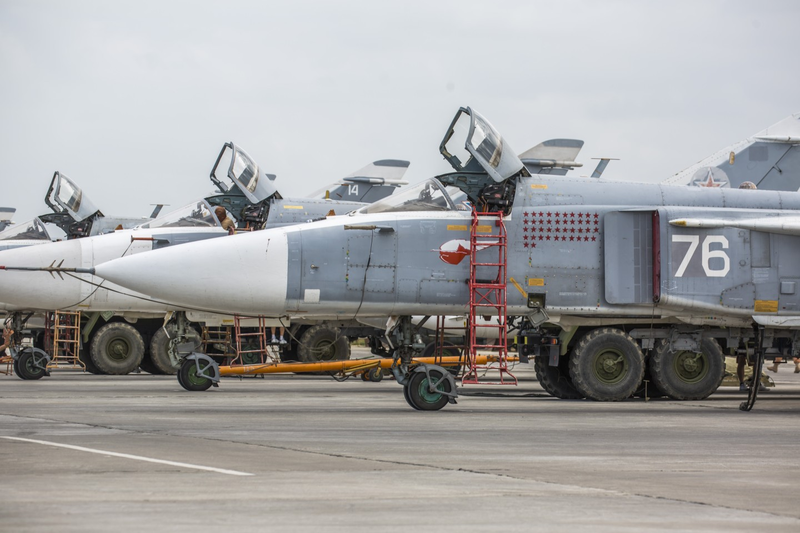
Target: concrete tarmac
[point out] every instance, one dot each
(306, 453)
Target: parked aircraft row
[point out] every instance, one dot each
(602, 272)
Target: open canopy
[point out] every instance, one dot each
(243, 173)
(64, 196)
(483, 147)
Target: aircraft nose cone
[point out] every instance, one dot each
(242, 274)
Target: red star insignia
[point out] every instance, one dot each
(547, 238)
(594, 238)
(586, 239)
(571, 238)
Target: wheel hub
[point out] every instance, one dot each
(118, 349)
(691, 367)
(610, 367)
(425, 392)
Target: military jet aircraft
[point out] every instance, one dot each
(770, 159)
(117, 323)
(600, 272)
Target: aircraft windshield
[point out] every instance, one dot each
(486, 141)
(197, 214)
(429, 195)
(69, 194)
(244, 171)
(32, 230)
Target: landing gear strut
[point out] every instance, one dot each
(748, 404)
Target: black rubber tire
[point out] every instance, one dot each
(188, 378)
(448, 350)
(117, 348)
(555, 380)
(374, 375)
(148, 366)
(159, 355)
(26, 369)
(322, 343)
(84, 357)
(420, 397)
(685, 375)
(607, 365)
(408, 398)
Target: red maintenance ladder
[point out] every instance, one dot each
(488, 237)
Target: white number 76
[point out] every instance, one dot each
(707, 254)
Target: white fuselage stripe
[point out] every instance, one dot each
(134, 457)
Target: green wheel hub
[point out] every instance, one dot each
(610, 366)
(195, 379)
(119, 349)
(691, 367)
(425, 393)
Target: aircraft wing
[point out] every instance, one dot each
(770, 159)
(784, 225)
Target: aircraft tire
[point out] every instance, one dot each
(448, 350)
(323, 343)
(408, 398)
(26, 368)
(159, 355)
(418, 395)
(607, 365)
(555, 380)
(685, 375)
(117, 348)
(188, 378)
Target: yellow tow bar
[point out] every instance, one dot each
(353, 365)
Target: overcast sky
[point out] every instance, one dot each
(133, 100)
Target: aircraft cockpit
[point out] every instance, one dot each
(429, 195)
(486, 166)
(194, 215)
(247, 189)
(64, 196)
(33, 230)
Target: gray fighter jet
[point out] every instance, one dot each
(119, 325)
(599, 273)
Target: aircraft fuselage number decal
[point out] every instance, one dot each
(352, 189)
(720, 270)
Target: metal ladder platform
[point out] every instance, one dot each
(488, 297)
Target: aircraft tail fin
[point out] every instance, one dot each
(375, 181)
(5, 216)
(770, 159)
(555, 156)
